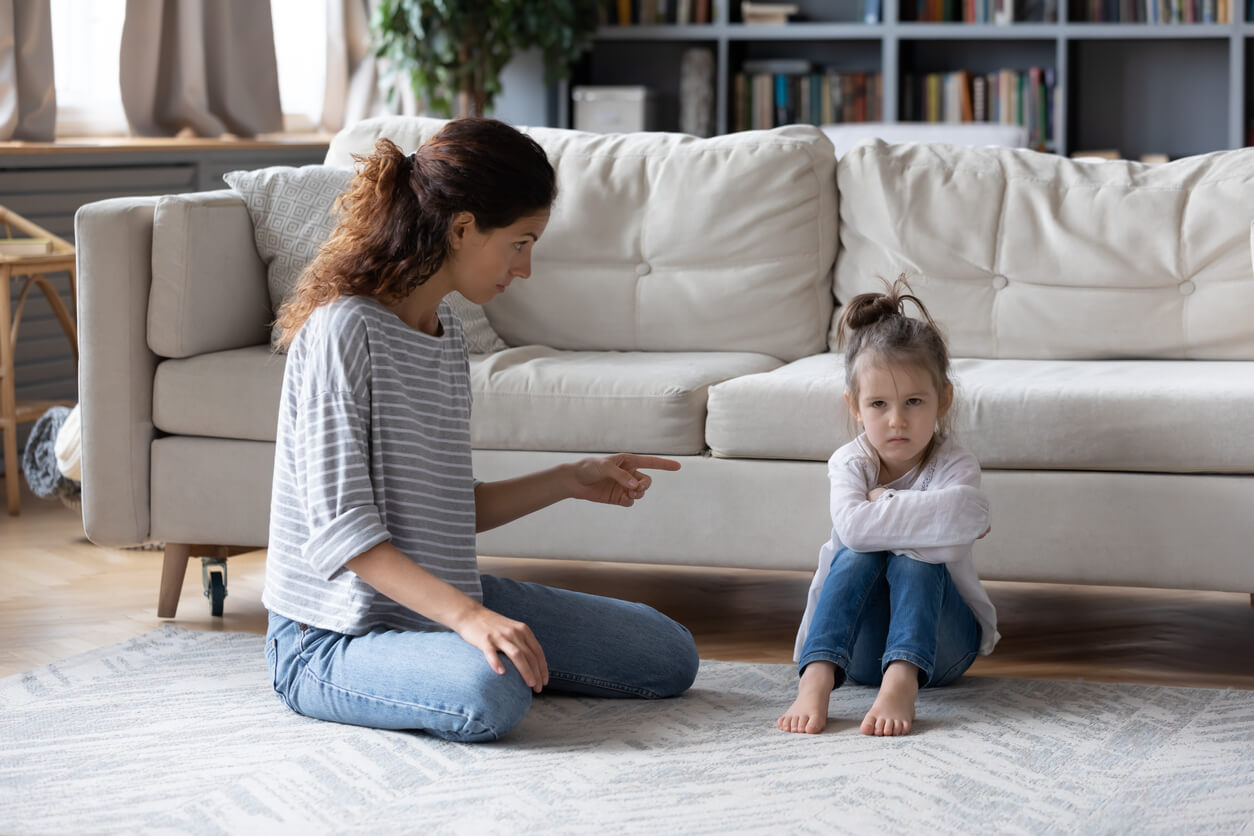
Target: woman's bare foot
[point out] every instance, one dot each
(808, 713)
(892, 713)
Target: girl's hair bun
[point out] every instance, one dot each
(866, 309)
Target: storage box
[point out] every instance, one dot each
(608, 110)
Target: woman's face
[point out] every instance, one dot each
(483, 263)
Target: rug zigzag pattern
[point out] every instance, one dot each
(179, 731)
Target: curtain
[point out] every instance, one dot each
(205, 67)
(28, 99)
(354, 75)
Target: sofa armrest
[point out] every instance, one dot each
(113, 239)
(209, 288)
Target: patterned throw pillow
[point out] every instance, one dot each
(292, 210)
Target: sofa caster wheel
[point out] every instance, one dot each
(213, 575)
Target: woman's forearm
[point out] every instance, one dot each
(391, 572)
(497, 503)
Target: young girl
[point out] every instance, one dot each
(895, 601)
(378, 614)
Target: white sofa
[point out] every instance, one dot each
(681, 303)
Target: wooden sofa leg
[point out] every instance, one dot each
(173, 570)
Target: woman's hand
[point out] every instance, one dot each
(493, 633)
(875, 493)
(616, 480)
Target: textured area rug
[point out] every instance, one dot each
(178, 732)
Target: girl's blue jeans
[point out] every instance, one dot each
(438, 683)
(878, 607)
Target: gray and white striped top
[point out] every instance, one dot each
(373, 444)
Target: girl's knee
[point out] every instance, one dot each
(901, 564)
(848, 559)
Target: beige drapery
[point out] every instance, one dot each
(201, 66)
(28, 99)
(353, 73)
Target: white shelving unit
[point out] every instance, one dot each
(1178, 89)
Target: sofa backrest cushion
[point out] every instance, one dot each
(1020, 254)
(208, 288)
(667, 242)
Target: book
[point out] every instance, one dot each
(25, 246)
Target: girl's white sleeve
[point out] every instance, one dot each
(952, 512)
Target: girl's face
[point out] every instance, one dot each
(483, 263)
(898, 406)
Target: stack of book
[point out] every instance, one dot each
(649, 12)
(768, 93)
(757, 12)
(25, 246)
(1014, 97)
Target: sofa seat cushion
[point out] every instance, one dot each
(225, 394)
(1153, 416)
(540, 398)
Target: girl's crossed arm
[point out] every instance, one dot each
(952, 512)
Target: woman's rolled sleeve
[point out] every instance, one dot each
(343, 538)
(343, 516)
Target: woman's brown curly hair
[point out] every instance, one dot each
(393, 230)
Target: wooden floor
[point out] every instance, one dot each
(61, 595)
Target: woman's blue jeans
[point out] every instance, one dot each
(438, 683)
(878, 607)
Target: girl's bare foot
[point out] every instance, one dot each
(892, 713)
(808, 713)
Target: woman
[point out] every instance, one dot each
(378, 614)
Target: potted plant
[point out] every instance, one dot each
(454, 50)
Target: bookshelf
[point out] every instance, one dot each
(1173, 88)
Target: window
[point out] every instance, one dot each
(86, 41)
(300, 36)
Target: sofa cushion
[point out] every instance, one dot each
(539, 398)
(1156, 416)
(1034, 256)
(226, 394)
(208, 289)
(667, 242)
